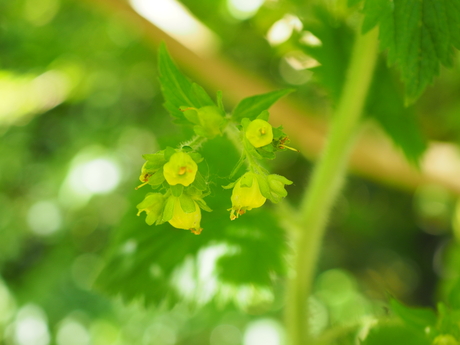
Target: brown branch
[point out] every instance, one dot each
(374, 156)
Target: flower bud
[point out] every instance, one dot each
(186, 221)
(247, 196)
(259, 133)
(181, 169)
(276, 184)
(153, 206)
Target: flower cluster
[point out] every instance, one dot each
(174, 174)
(182, 188)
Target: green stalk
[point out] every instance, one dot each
(326, 181)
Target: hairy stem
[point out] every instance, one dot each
(325, 184)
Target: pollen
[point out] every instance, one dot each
(182, 170)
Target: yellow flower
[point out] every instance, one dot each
(186, 221)
(152, 205)
(246, 197)
(259, 133)
(181, 169)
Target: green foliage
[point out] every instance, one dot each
(419, 35)
(252, 106)
(385, 102)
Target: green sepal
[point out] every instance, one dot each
(196, 157)
(177, 190)
(168, 211)
(264, 115)
(276, 184)
(264, 187)
(156, 179)
(246, 180)
(202, 204)
(169, 151)
(229, 186)
(200, 182)
(187, 204)
(154, 160)
(191, 114)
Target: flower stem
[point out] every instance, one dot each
(325, 184)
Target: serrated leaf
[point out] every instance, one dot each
(178, 91)
(386, 106)
(334, 52)
(201, 95)
(415, 317)
(418, 34)
(252, 106)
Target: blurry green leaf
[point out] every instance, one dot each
(334, 52)
(385, 105)
(449, 321)
(252, 106)
(385, 334)
(416, 317)
(419, 35)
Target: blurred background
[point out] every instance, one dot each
(80, 103)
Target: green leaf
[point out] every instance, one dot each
(187, 204)
(418, 318)
(385, 334)
(201, 95)
(252, 106)
(418, 34)
(386, 106)
(178, 91)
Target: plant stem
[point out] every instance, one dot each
(325, 184)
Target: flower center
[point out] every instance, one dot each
(182, 170)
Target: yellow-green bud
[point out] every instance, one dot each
(246, 198)
(186, 221)
(152, 205)
(181, 169)
(259, 133)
